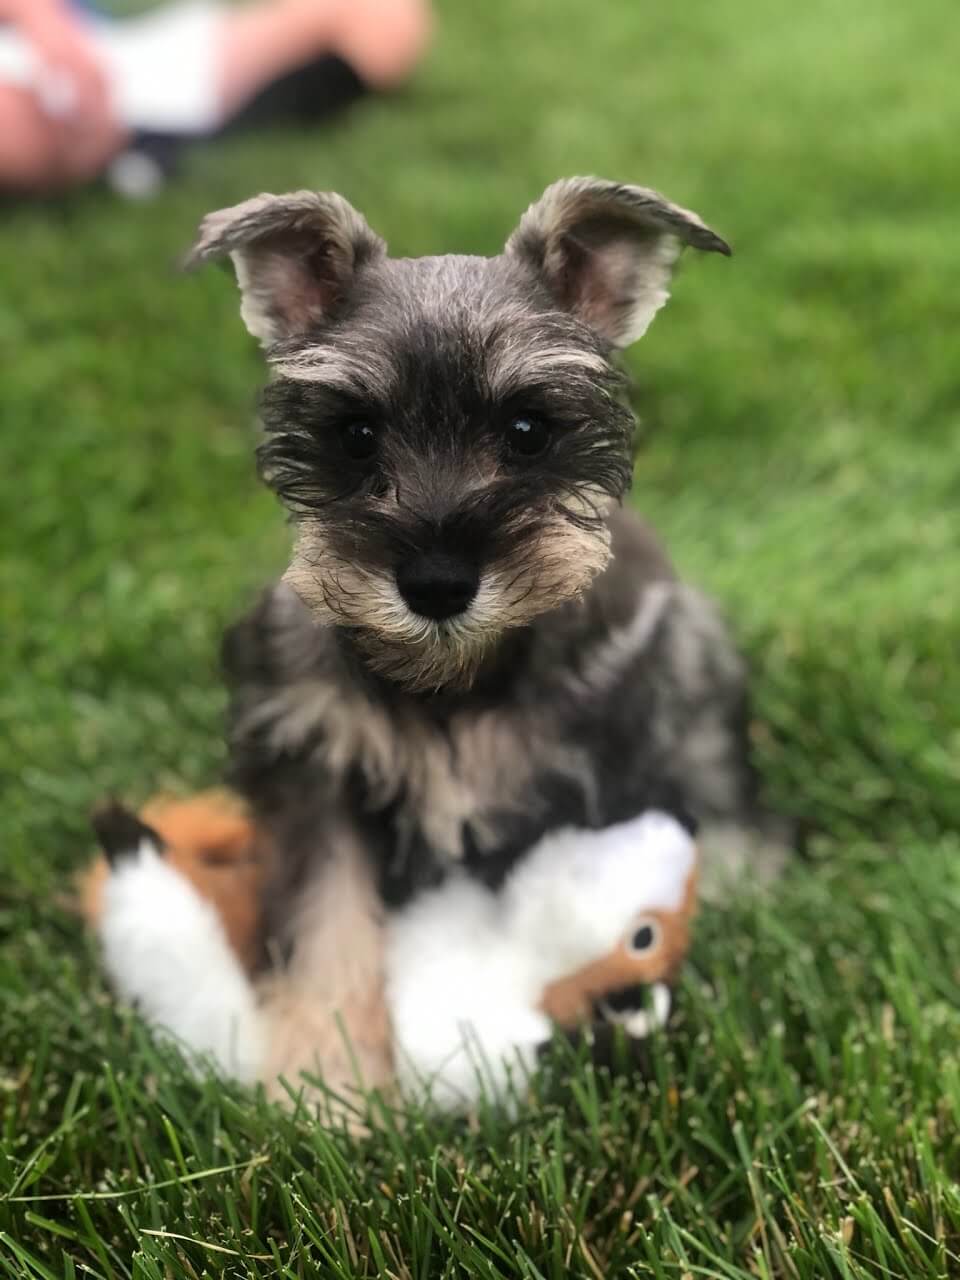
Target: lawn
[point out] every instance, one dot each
(802, 458)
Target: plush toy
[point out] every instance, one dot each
(583, 924)
(589, 923)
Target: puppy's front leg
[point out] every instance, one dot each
(295, 737)
(325, 1010)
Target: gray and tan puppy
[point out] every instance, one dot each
(474, 643)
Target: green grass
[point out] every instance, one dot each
(803, 461)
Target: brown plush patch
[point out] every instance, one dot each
(571, 1000)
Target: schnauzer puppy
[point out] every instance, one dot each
(474, 643)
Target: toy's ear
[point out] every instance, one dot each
(606, 251)
(296, 257)
(121, 832)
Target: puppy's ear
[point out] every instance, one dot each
(295, 257)
(606, 251)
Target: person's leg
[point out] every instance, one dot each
(27, 144)
(32, 157)
(382, 40)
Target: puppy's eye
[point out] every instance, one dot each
(645, 937)
(527, 436)
(359, 440)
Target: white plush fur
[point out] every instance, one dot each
(166, 951)
(466, 968)
(463, 994)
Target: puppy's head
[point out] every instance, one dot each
(448, 432)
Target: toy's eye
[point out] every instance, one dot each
(645, 937)
(527, 436)
(359, 440)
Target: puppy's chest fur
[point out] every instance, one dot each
(474, 787)
(430, 783)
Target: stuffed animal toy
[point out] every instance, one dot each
(586, 924)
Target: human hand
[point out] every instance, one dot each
(72, 89)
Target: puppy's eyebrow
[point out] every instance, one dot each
(520, 364)
(540, 353)
(337, 368)
(564, 385)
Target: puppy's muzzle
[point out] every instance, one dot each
(438, 584)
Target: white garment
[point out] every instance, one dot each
(161, 68)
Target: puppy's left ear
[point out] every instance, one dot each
(606, 251)
(295, 256)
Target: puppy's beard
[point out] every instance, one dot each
(421, 654)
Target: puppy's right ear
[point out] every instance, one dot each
(295, 257)
(606, 251)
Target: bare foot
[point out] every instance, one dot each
(383, 40)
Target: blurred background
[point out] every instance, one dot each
(800, 402)
(801, 457)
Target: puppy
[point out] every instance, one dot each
(474, 643)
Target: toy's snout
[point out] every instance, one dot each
(628, 985)
(639, 1008)
(622, 1002)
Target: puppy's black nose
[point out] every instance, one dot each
(438, 585)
